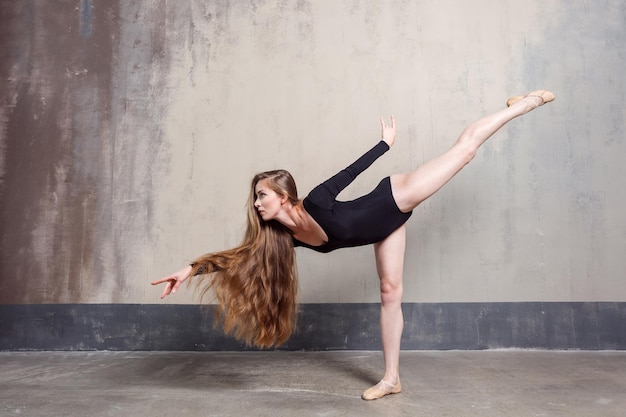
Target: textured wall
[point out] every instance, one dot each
(129, 132)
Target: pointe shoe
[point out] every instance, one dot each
(381, 389)
(545, 96)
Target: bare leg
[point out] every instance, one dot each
(390, 265)
(410, 189)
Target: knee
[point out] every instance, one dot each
(390, 291)
(467, 145)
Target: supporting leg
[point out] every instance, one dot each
(390, 265)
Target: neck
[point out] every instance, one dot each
(294, 217)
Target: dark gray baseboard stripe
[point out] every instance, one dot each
(437, 326)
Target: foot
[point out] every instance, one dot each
(381, 389)
(537, 98)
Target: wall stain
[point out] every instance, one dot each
(58, 121)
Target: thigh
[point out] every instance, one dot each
(410, 189)
(390, 257)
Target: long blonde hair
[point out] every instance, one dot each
(256, 283)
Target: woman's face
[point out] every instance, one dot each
(268, 203)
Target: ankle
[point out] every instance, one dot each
(391, 380)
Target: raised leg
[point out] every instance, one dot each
(410, 189)
(390, 266)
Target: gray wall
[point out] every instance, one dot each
(129, 132)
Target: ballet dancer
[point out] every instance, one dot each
(255, 283)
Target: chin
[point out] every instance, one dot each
(266, 217)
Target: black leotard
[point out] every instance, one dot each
(366, 220)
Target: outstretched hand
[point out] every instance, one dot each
(173, 281)
(389, 132)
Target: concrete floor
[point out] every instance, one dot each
(448, 383)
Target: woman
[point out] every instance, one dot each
(256, 282)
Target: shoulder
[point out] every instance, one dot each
(319, 196)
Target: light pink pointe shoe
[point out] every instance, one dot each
(545, 96)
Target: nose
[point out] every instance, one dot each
(257, 203)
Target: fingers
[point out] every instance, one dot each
(173, 281)
(160, 281)
(170, 288)
(393, 122)
(167, 290)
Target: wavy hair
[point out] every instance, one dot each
(256, 283)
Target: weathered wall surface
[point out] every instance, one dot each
(129, 132)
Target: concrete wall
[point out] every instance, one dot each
(129, 132)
